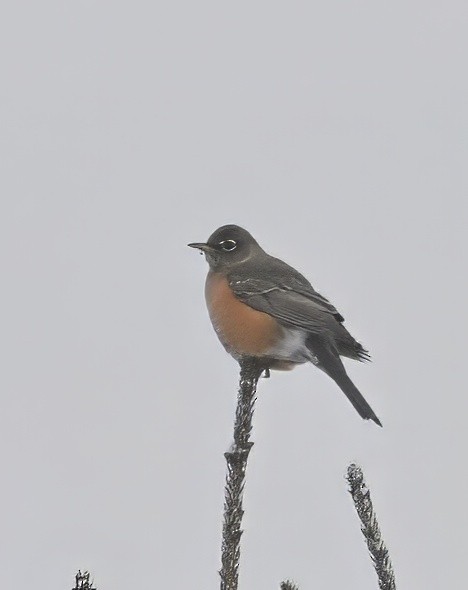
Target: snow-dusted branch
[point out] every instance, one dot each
(370, 528)
(236, 459)
(82, 581)
(288, 585)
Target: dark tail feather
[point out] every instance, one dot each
(332, 365)
(355, 397)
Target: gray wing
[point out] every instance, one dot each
(281, 291)
(290, 308)
(309, 293)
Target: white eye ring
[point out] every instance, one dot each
(228, 245)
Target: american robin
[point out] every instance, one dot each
(263, 308)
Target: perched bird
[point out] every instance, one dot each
(263, 308)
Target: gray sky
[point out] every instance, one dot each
(337, 134)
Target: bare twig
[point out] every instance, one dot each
(370, 528)
(288, 585)
(82, 581)
(236, 459)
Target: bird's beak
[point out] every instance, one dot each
(200, 246)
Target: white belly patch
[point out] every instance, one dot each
(292, 347)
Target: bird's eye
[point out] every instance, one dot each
(228, 245)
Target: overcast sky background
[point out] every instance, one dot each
(336, 132)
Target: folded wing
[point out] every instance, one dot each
(297, 308)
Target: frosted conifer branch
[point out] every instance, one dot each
(288, 585)
(236, 459)
(82, 581)
(370, 528)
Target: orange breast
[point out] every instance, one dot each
(241, 329)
